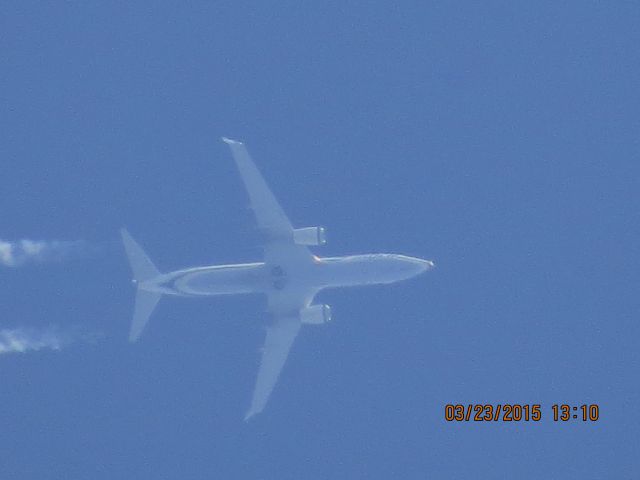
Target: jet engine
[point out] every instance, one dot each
(310, 236)
(315, 315)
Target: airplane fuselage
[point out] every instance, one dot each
(259, 277)
(289, 276)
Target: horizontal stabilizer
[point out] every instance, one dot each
(143, 269)
(145, 303)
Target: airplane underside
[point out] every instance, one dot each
(290, 276)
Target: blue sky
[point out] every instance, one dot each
(498, 139)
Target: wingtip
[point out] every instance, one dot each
(134, 334)
(248, 416)
(230, 141)
(125, 235)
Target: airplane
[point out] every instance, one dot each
(289, 275)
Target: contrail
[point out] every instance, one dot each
(18, 253)
(22, 340)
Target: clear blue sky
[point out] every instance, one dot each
(499, 139)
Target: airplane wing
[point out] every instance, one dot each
(269, 214)
(271, 219)
(280, 250)
(280, 337)
(284, 305)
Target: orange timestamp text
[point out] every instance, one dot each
(516, 412)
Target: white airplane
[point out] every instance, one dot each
(290, 276)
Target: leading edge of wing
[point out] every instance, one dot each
(280, 337)
(269, 214)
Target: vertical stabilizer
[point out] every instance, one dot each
(143, 269)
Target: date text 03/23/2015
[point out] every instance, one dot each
(516, 412)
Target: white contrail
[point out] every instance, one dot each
(22, 340)
(15, 254)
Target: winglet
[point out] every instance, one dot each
(249, 414)
(229, 141)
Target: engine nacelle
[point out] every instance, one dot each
(310, 236)
(315, 314)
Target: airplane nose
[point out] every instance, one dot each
(427, 264)
(415, 266)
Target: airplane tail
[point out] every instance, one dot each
(143, 270)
